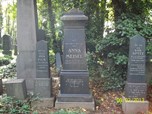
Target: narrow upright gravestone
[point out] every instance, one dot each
(136, 87)
(26, 41)
(74, 75)
(42, 81)
(7, 45)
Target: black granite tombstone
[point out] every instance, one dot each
(7, 45)
(42, 60)
(74, 76)
(136, 86)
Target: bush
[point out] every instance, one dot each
(114, 48)
(9, 105)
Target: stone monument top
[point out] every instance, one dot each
(74, 14)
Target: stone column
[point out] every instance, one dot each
(74, 77)
(26, 41)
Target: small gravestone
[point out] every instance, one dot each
(136, 86)
(16, 88)
(6, 45)
(42, 60)
(74, 77)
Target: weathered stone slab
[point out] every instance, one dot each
(16, 88)
(42, 87)
(136, 65)
(26, 41)
(26, 68)
(26, 25)
(42, 60)
(136, 90)
(135, 107)
(74, 82)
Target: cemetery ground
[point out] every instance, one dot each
(107, 102)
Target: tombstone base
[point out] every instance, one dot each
(86, 105)
(134, 107)
(42, 87)
(16, 88)
(132, 90)
(43, 102)
(75, 98)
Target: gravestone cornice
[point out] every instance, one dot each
(74, 14)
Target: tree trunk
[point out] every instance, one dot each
(52, 22)
(119, 8)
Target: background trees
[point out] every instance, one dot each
(110, 26)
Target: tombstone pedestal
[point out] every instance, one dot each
(75, 90)
(134, 106)
(16, 88)
(42, 87)
(135, 90)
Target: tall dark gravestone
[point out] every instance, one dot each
(74, 77)
(136, 86)
(43, 81)
(42, 60)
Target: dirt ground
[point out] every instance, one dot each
(106, 102)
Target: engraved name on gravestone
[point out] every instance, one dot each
(42, 60)
(74, 52)
(135, 85)
(136, 66)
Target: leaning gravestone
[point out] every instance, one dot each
(26, 41)
(136, 86)
(6, 45)
(74, 77)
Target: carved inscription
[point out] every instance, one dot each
(42, 63)
(74, 83)
(74, 53)
(137, 66)
(136, 90)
